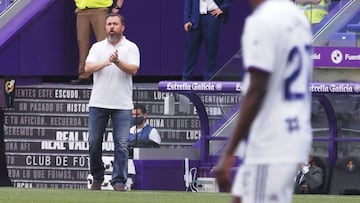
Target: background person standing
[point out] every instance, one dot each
(202, 19)
(113, 62)
(90, 18)
(315, 10)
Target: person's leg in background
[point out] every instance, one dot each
(211, 32)
(192, 49)
(83, 29)
(97, 21)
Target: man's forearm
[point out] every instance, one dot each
(91, 67)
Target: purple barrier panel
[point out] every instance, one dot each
(10, 59)
(335, 88)
(199, 86)
(161, 174)
(337, 57)
(2, 93)
(157, 30)
(25, 51)
(143, 26)
(48, 52)
(220, 86)
(190, 88)
(16, 23)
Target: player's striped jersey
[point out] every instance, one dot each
(277, 39)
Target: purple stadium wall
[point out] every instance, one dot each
(46, 44)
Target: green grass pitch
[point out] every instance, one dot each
(15, 195)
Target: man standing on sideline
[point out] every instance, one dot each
(202, 19)
(113, 62)
(274, 120)
(90, 15)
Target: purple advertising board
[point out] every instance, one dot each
(341, 57)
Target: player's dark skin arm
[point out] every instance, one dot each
(249, 108)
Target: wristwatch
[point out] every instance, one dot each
(117, 6)
(117, 61)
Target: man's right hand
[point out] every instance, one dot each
(305, 169)
(187, 26)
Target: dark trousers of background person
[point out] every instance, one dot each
(86, 21)
(208, 32)
(4, 178)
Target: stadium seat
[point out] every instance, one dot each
(353, 27)
(346, 176)
(324, 164)
(342, 40)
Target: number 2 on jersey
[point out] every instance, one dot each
(298, 59)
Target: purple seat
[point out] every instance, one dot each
(342, 40)
(353, 27)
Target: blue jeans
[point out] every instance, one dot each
(98, 121)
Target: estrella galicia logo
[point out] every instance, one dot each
(218, 86)
(336, 56)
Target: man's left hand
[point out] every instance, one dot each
(216, 12)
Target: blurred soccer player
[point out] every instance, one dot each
(275, 112)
